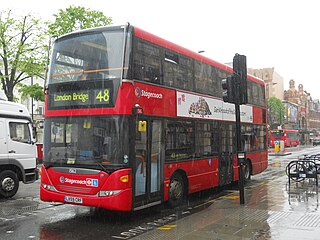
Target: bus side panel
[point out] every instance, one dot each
(235, 168)
(155, 100)
(201, 174)
(258, 117)
(258, 164)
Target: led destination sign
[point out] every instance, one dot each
(79, 95)
(81, 98)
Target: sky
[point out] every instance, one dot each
(271, 33)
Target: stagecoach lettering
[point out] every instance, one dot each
(151, 94)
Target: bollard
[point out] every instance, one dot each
(281, 146)
(276, 146)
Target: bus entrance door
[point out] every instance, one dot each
(148, 167)
(225, 168)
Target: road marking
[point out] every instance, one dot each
(233, 197)
(167, 227)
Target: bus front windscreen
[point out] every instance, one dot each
(87, 56)
(277, 134)
(96, 142)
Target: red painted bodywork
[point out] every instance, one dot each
(89, 194)
(201, 174)
(288, 142)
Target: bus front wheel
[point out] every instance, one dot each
(176, 190)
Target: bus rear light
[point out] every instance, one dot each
(49, 187)
(124, 178)
(108, 193)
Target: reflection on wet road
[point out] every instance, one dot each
(272, 210)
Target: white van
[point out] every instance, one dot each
(18, 151)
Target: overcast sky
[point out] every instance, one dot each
(271, 33)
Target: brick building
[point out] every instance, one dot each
(301, 111)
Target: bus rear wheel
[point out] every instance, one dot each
(9, 184)
(176, 190)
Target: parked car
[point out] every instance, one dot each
(316, 141)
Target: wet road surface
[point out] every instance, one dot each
(272, 210)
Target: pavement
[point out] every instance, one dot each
(272, 210)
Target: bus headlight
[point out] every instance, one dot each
(49, 187)
(108, 193)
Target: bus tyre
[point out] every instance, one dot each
(247, 171)
(176, 190)
(9, 183)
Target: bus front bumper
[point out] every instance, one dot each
(121, 201)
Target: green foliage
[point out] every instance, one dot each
(35, 91)
(276, 110)
(22, 50)
(76, 18)
(25, 43)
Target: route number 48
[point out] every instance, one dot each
(103, 96)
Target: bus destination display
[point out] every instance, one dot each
(88, 97)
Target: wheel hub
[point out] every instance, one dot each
(7, 184)
(176, 190)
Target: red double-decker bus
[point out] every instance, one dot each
(133, 120)
(290, 137)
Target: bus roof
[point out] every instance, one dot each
(164, 43)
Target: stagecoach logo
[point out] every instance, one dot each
(137, 92)
(62, 180)
(91, 182)
(142, 93)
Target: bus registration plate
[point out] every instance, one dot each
(72, 199)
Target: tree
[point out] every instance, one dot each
(276, 111)
(22, 50)
(35, 91)
(76, 18)
(72, 19)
